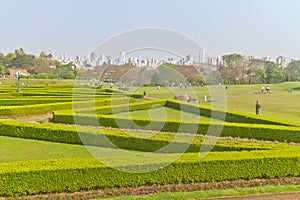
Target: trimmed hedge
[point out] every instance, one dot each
(71, 175)
(95, 137)
(49, 107)
(20, 102)
(256, 131)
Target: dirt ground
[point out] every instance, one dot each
(279, 196)
(36, 119)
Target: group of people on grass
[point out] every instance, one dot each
(267, 89)
(185, 98)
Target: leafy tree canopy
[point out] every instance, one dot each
(233, 60)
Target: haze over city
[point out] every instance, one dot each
(250, 27)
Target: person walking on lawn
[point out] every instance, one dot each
(257, 108)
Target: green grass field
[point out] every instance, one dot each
(17, 149)
(278, 104)
(163, 113)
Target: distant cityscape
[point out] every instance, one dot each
(101, 59)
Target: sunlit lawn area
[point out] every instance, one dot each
(17, 149)
(278, 104)
(165, 113)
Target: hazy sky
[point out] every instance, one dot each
(75, 27)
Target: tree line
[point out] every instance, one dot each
(238, 70)
(42, 66)
(235, 69)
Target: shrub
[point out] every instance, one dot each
(242, 130)
(71, 175)
(96, 137)
(49, 107)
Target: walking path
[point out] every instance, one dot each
(279, 196)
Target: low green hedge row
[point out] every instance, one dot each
(229, 116)
(49, 107)
(241, 130)
(71, 175)
(27, 94)
(135, 95)
(68, 93)
(20, 102)
(95, 137)
(118, 92)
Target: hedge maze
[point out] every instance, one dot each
(96, 115)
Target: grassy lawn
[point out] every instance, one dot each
(17, 149)
(164, 113)
(278, 104)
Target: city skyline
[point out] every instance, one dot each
(126, 59)
(249, 27)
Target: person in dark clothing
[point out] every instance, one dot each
(268, 89)
(257, 108)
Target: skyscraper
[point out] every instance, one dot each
(202, 57)
(122, 58)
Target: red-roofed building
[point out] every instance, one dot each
(14, 72)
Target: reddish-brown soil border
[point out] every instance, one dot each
(145, 190)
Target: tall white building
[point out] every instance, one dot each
(102, 59)
(93, 59)
(122, 58)
(202, 57)
(213, 60)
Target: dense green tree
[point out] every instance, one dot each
(293, 71)
(65, 71)
(43, 65)
(5, 61)
(11, 55)
(261, 76)
(233, 60)
(24, 61)
(274, 74)
(196, 80)
(44, 76)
